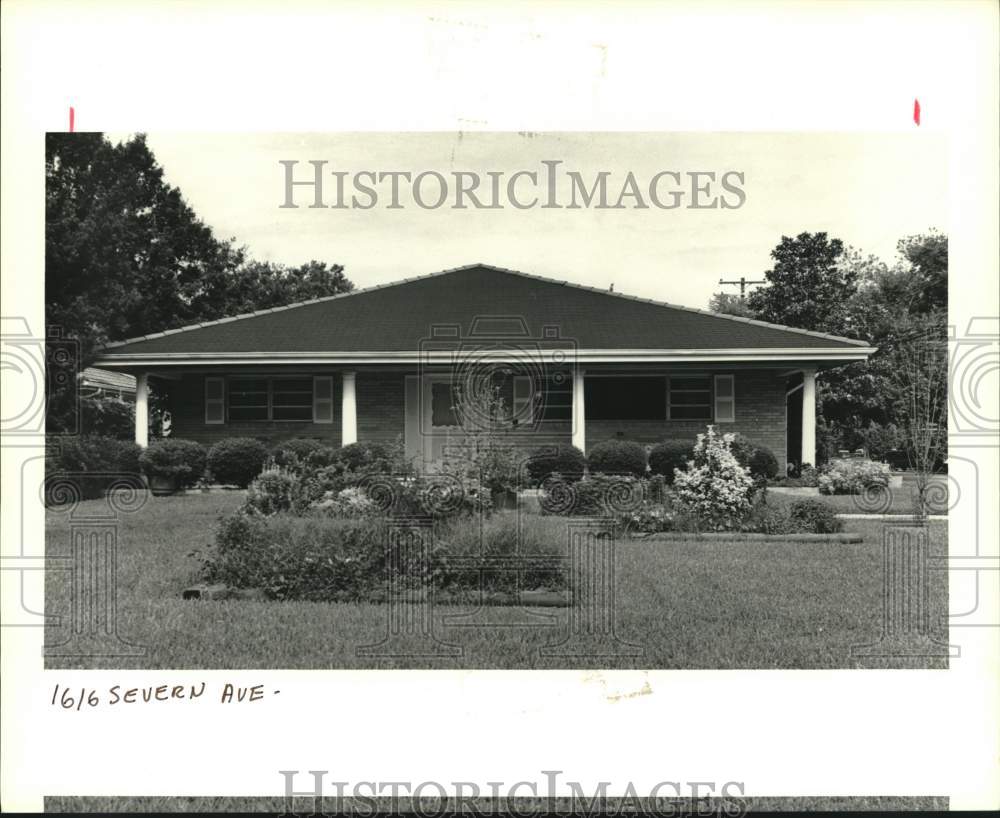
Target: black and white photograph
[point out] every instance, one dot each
(512, 395)
(700, 425)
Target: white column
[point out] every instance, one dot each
(579, 419)
(142, 409)
(348, 409)
(809, 416)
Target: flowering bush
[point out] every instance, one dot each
(347, 503)
(853, 476)
(715, 487)
(650, 517)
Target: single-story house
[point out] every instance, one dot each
(576, 365)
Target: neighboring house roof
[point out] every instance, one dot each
(398, 318)
(107, 379)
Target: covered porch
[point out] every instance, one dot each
(579, 404)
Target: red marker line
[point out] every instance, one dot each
(916, 111)
(72, 117)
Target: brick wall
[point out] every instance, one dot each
(381, 404)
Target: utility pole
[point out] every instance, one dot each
(743, 282)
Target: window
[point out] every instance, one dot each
(556, 397)
(443, 404)
(523, 405)
(215, 400)
(292, 399)
(267, 399)
(625, 398)
(725, 399)
(248, 399)
(690, 397)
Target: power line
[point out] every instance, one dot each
(743, 282)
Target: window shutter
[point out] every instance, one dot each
(323, 399)
(215, 400)
(523, 405)
(725, 399)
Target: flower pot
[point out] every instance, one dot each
(162, 485)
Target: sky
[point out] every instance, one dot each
(869, 190)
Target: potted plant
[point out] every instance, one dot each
(171, 465)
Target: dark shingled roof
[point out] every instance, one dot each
(396, 317)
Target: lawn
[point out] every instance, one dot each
(689, 604)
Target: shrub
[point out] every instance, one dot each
(650, 517)
(347, 503)
(669, 455)
(807, 477)
(765, 518)
(294, 451)
(618, 457)
(237, 460)
(363, 456)
(879, 441)
(182, 460)
(275, 489)
(715, 488)
(566, 461)
(490, 459)
(814, 517)
(598, 495)
(763, 463)
(742, 449)
(107, 417)
(303, 558)
(91, 463)
(321, 457)
(853, 476)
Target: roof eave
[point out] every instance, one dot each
(829, 355)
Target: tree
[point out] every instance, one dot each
(884, 311)
(125, 256)
(729, 304)
(918, 385)
(927, 254)
(484, 448)
(819, 284)
(807, 287)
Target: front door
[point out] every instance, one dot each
(440, 424)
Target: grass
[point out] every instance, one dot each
(685, 604)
